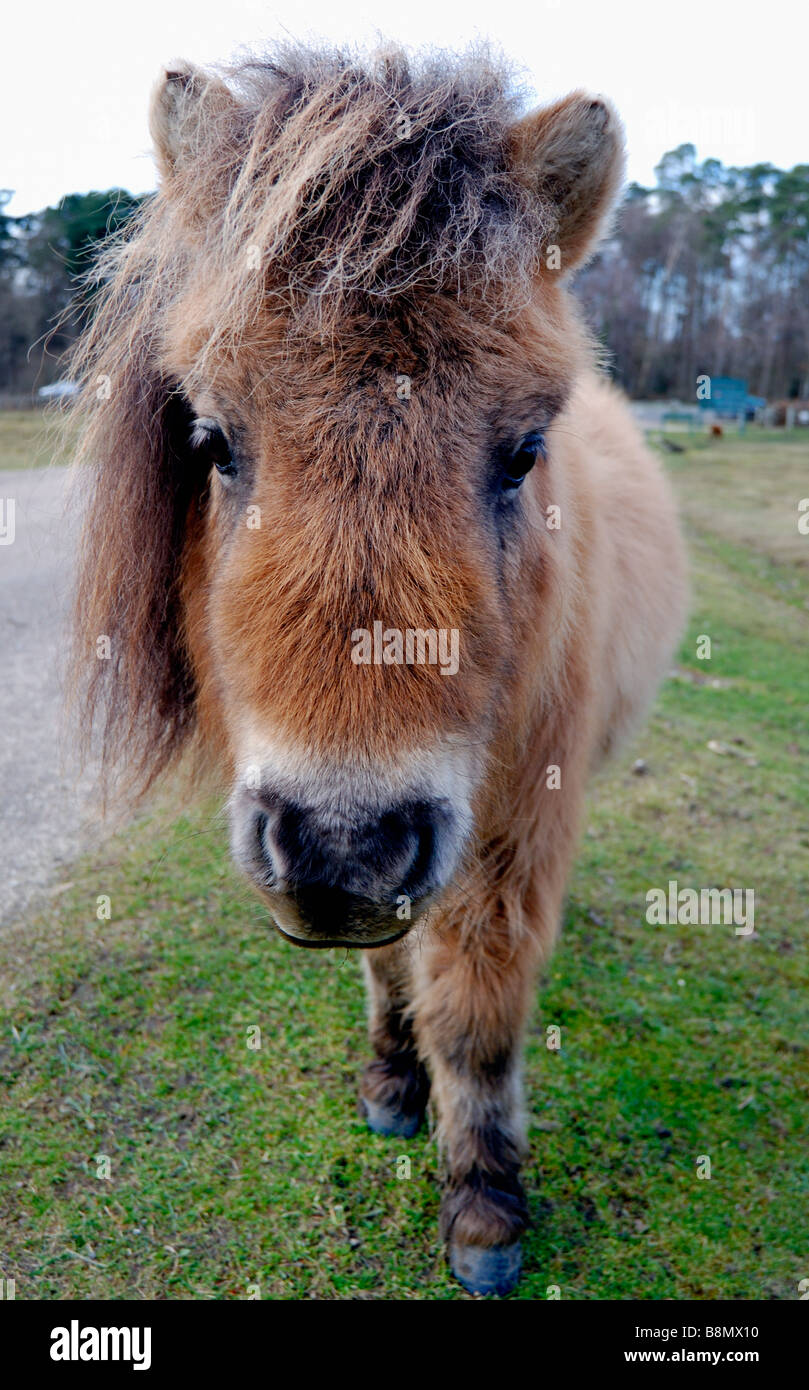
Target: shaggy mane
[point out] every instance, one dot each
(328, 181)
(377, 177)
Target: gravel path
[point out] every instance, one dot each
(43, 803)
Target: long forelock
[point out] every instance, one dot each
(371, 178)
(332, 182)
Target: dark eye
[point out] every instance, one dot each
(209, 437)
(519, 464)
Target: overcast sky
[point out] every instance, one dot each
(729, 75)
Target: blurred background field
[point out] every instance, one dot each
(231, 1168)
(34, 439)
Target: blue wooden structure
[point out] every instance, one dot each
(730, 399)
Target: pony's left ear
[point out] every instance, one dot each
(571, 156)
(185, 99)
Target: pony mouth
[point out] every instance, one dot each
(344, 943)
(331, 918)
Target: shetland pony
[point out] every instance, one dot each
(339, 408)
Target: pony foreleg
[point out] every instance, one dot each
(472, 999)
(395, 1086)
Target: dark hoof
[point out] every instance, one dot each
(495, 1270)
(387, 1120)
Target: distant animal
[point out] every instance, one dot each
(716, 431)
(370, 531)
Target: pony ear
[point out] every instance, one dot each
(184, 99)
(571, 156)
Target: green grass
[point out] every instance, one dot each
(33, 438)
(233, 1167)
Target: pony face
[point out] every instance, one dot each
(371, 546)
(350, 459)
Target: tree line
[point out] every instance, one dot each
(706, 273)
(43, 257)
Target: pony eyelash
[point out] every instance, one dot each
(202, 429)
(208, 434)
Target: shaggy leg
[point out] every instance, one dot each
(472, 998)
(395, 1086)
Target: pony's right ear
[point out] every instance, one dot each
(184, 99)
(571, 156)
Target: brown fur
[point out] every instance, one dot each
(381, 254)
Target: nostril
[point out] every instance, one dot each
(421, 868)
(400, 848)
(259, 829)
(264, 850)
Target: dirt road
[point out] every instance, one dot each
(43, 804)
